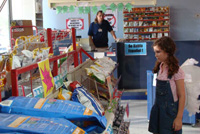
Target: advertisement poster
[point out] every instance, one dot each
(46, 77)
(76, 23)
(111, 17)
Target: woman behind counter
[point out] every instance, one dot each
(98, 32)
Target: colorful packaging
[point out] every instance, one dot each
(64, 94)
(73, 85)
(69, 110)
(82, 96)
(12, 123)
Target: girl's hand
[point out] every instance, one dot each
(177, 124)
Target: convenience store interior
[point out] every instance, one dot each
(184, 28)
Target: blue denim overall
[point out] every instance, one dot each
(164, 110)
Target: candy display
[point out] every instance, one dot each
(149, 23)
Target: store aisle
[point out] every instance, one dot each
(138, 118)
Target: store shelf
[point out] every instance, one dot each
(146, 26)
(147, 32)
(39, 14)
(146, 23)
(146, 12)
(148, 20)
(136, 16)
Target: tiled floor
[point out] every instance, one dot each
(139, 122)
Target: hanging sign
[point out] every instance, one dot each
(135, 49)
(46, 77)
(75, 23)
(111, 17)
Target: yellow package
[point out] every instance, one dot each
(20, 43)
(89, 71)
(71, 47)
(45, 52)
(35, 52)
(34, 38)
(9, 63)
(2, 63)
(64, 94)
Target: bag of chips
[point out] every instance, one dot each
(82, 96)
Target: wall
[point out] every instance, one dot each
(23, 10)
(184, 23)
(58, 21)
(133, 68)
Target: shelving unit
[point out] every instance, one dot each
(38, 14)
(146, 23)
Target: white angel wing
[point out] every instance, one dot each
(192, 88)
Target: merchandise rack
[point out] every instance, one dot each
(77, 54)
(72, 74)
(11, 33)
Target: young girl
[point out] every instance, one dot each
(167, 112)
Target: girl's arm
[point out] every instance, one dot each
(177, 125)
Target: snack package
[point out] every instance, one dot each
(88, 71)
(20, 44)
(42, 107)
(9, 62)
(98, 76)
(64, 94)
(45, 52)
(2, 63)
(100, 69)
(73, 85)
(16, 62)
(82, 96)
(28, 55)
(21, 124)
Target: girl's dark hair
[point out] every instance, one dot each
(96, 20)
(167, 45)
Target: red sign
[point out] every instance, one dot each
(111, 19)
(75, 23)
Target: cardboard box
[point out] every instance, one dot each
(22, 31)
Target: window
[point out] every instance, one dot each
(4, 28)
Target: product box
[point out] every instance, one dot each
(23, 31)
